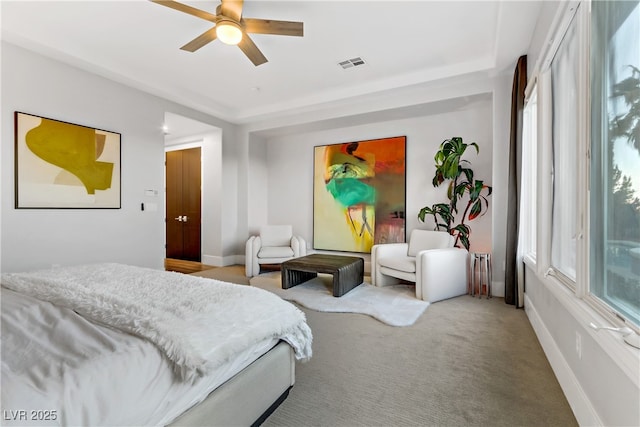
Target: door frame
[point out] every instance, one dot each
(182, 131)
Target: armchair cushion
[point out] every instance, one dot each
(405, 263)
(275, 252)
(421, 240)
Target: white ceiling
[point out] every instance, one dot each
(403, 43)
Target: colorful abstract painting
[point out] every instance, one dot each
(63, 165)
(359, 194)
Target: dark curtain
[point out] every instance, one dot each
(513, 189)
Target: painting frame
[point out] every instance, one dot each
(63, 165)
(359, 194)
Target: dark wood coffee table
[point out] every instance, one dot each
(347, 271)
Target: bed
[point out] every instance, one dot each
(110, 344)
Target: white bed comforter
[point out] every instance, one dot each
(197, 323)
(60, 369)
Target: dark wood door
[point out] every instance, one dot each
(183, 172)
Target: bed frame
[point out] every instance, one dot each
(249, 397)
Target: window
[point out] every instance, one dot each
(564, 131)
(615, 157)
(527, 244)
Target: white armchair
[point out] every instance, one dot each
(438, 269)
(274, 245)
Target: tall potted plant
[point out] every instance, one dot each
(452, 168)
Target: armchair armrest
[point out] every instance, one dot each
(385, 250)
(441, 273)
(252, 247)
(299, 246)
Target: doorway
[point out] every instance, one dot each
(183, 204)
(181, 133)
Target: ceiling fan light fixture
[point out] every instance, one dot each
(228, 32)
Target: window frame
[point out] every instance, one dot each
(529, 177)
(573, 296)
(580, 13)
(574, 12)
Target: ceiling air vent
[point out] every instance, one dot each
(350, 63)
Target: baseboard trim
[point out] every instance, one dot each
(218, 261)
(497, 288)
(582, 408)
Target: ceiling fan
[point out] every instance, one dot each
(231, 28)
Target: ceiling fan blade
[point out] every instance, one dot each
(187, 9)
(270, 26)
(251, 50)
(232, 9)
(204, 38)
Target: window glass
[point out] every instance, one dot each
(564, 80)
(615, 165)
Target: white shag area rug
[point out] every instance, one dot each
(395, 305)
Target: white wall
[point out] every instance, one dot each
(372, 116)
(40, 238)
(232, 230)
(289, 162)
(601, 385)
(501, 134)
(259, 188)
(249, 188)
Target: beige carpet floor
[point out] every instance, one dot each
(465, 362)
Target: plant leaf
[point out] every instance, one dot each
(474, 193)
(423, 212)
(476, 208)
(464, 239)
(462, 228)
(468, 173)
(461, 188)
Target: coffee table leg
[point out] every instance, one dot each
(291, 278)
(347, 278)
